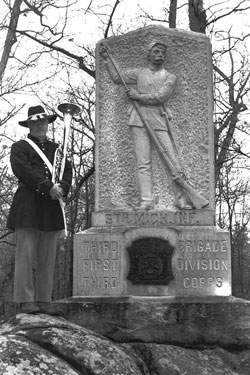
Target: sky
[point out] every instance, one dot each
(87, 30)
(238, 23)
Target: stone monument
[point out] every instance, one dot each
(153, 231)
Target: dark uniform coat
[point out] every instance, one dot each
(32, 206)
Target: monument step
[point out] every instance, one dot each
(187, 322)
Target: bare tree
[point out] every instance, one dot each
(233, 214)
(231, 95)
(11, 38)
(221, 10)
(197, 16)
(172, 13)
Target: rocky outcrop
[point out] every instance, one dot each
(175, 360)
(40, 344)
(132, 340)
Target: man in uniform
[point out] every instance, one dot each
(36, 214)
(154, 86)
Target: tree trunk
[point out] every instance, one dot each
(172, 14)
(11, 36)
(197, 16)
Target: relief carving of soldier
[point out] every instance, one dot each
(150, 123)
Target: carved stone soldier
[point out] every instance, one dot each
(154, 86)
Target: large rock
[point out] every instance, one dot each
(142, 337)
(174, 360)
(55, 346)
(21, 356)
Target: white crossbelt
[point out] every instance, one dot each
(40, 153)
(49, 165)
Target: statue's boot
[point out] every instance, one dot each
(146, 191)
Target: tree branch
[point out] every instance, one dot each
(52, 47)
(80, 183)
(234, 10)
(111, 18)
(11, 36)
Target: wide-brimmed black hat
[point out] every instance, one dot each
(36, 113)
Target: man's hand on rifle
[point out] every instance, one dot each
(133, 94)
(104, 51)
(56, 192)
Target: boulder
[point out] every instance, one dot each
(142, 337)
(56, 346)
(175, 360)
(21, 356)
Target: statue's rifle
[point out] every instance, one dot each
(68, 110)
(196, 199)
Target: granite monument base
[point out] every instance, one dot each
(187, 322)
(152, 253)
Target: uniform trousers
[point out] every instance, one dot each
(143, 150)
(34, 264)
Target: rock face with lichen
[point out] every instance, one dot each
(127, 338)
(41, 344)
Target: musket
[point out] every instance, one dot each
(197, 200)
